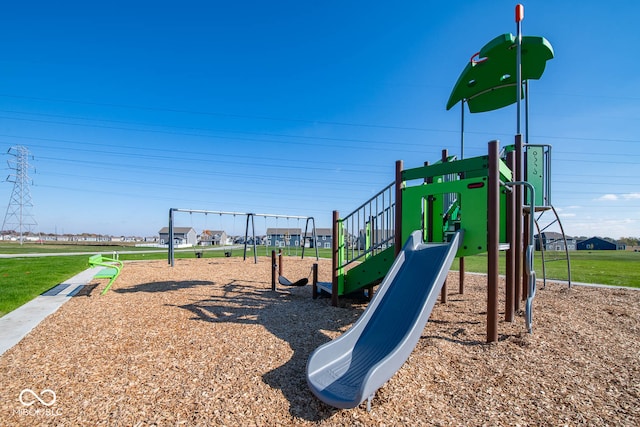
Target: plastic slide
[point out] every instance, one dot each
(346, 371)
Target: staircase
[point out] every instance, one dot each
(367, 242)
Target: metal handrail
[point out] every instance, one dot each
(370, 228)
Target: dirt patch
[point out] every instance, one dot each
(208, 343)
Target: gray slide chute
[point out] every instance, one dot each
(346, 371)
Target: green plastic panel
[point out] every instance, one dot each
(503, 237)
(473, 211)
(489, 82)
(535, 175)
(370, 271)
(468, 166)
(107, 273)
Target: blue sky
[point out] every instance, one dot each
(298, 107)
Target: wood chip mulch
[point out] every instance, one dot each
(208, 343)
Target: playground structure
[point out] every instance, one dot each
(309, 230)
(490, 197)
(436, 206)
(459, 207)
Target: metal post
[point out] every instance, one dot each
(398, 218)
(462, 129)
(526, 111)
(519, 18)
(518, 252)
(273, 270)
(170, 242)
(246, 237)
(527, 235)
(255, 248)
(510, 258)
(334, 260)
(443, 291)
(313, 236)
(519, 15)
(493, 237)
(315, 281)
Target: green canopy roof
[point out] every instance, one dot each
(488, 82)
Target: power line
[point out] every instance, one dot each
(420, 129)
(280, 135)
(237, 138)
(169, 153)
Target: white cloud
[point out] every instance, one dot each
(631, 196)
(586, 225)
(613, 197)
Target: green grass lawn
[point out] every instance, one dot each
(38, 248)
(22, 279)
(617, 268)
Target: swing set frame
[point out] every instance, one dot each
(309, 221)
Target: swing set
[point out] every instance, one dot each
(309, 230)
(214, 237)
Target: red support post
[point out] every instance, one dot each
(443, 291)
(493, 237)
(315, 280)
(429, 221)
(273, 270)
(461, 279)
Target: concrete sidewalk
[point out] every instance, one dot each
(16, 325)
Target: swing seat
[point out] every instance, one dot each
(286, 282)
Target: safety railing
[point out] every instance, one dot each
(370, 228)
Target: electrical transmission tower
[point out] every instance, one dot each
(19, 217)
